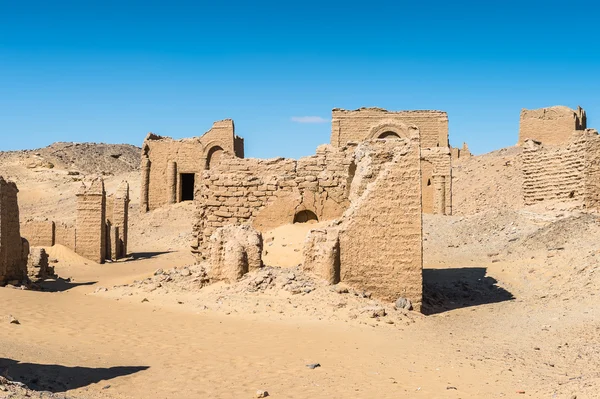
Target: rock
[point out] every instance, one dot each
(262, 394)
(291, 276)
(158, 272)
(145, 300)
(374, 311)
(403, 303)
(186, 273)
(12, 320)
(313, 366)
(340, 290)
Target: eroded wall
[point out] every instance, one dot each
(13, 260)
(563, 172)
(90, 238)
(552, 125)
(270, 193)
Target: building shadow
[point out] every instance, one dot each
(55, 378)
(145, 255)
(449, 289)
(60, 285)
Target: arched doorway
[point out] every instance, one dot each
(389, 135)
(214, 157)
(305, 216)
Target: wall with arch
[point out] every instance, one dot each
(164, 160)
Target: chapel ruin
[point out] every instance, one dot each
(561, 157)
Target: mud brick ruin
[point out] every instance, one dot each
(561, 157)
(13, 249)
(101, 227)
(170, 168)
(369, 178)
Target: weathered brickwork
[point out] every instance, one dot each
(550, 126)
(563, 172)
(373, 123)
(165, 162)
(271, 193)
(90, 238)
(388, 260)
(13, 257)
(39, 233)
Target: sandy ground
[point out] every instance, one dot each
(510, 300)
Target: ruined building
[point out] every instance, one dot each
(334, 184)
(101, 226)
(376, 123)
(13, 249)
(170, 168)
(561, 160)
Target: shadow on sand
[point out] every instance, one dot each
(55, 378)
(145, 255)
(448, 289)
(60, 285)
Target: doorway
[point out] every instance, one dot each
(187, 186)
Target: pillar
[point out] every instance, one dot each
(90, 236)
(145, 169)
(439, 195)
(171, 182)
(120, 218)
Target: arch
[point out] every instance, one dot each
(392, 129)
(305, 216)
(214, 156)
(389, 135)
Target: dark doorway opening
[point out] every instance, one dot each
(187, 186)
(305, 217)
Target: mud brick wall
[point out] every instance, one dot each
(270, 193)
(13, 263)
(367, 123)
(39, 233)
(165, 159)
(551, 126)
(436, 162)
(64, 234)
(90, 240)
(388, 260)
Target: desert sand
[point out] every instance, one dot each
(510, 307)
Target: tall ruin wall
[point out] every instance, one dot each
(271, 193)
(552, 125)
(13, 259)
(388, 260)
(563, 172)
(369, 123)
(164, 160)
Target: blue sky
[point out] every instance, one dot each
(111, 71)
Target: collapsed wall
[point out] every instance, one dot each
(13, 249)
(377, 243)
(569, 172)
(552, 125)
(271, 193)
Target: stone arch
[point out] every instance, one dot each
(213, 156)
(305, 216)
(390, 129)
(389, 135)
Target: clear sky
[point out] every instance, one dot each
(111, 71)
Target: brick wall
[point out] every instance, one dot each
(12, 260)
(39, 233)
(553, 125)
